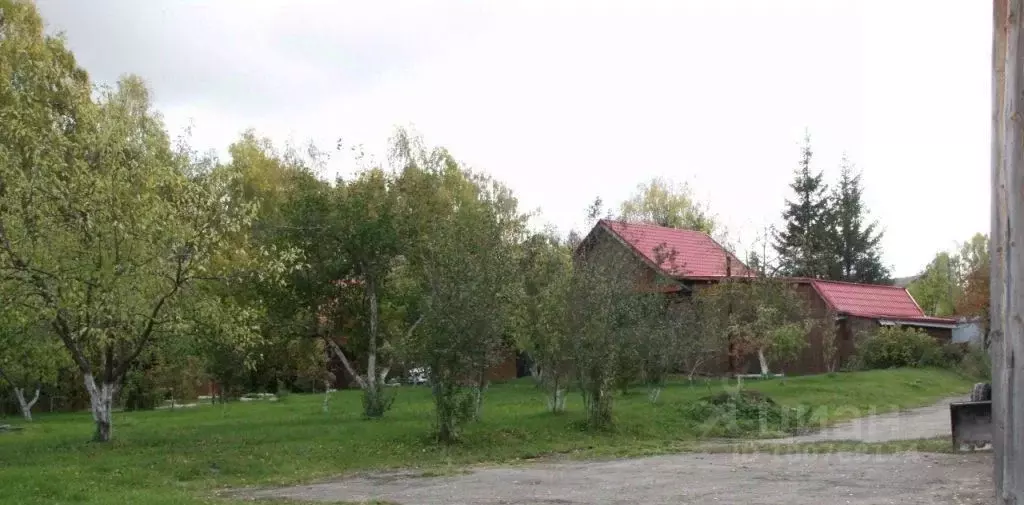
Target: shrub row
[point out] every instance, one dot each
(900, 346)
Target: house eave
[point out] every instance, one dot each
(915, 322)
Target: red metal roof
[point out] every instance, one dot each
(694, 254)
(872, 300)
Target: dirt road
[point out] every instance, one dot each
(741, 479)
(925, 422)
(905, 479)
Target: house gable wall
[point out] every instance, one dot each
(601, 245)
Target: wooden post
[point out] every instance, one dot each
(1007, 289)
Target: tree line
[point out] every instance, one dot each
(138, 268)
(826, 232)
(956, 283)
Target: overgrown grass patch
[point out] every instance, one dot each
(182, 456)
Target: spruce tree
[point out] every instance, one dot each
(804, 244)
(855, 242)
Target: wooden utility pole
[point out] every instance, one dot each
(1007, 251)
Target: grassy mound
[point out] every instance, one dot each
(745, 413)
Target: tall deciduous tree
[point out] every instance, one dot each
(463, 230)
(546, 265)
(99, 221)
(665, 203)
(368, 236)
(974, 298)
(956, 283)
(855, 242)
(294, 217)
(803, 245)
(608, 320)
(938, 287)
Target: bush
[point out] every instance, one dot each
(140, 392)
(898, 346)
(945, 356)
(283, 392)
(376, 401)
(745, 413)
(976, 364)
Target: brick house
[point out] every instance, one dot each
(682, 262)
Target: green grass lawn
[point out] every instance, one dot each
(179, 457)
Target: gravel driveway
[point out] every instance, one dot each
(925, 422)
(741, 479)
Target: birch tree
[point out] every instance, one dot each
(607, 318)
(368, 236)
(546, 274)
(30, 354)
(462, 229)
(665, 203)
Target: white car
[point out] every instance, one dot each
(418, 376)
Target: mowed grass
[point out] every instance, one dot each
(184, 456)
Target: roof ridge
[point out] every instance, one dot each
(655, 225)
(867, 300)
(850, 283)
(669, 228)
(640, 235)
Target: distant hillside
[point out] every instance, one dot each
(904, 281)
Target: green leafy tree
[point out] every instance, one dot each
(761, 317)
(100, 223)
(462, 231)
(665, 203)
(658, 344)
(546, 265)
(368, 236)
(295, 217)
(974, 296)
(804, 244)
(828, 329)
(30, 354)
(699, 335)
(856, 242)
(608, 318)
(956, 283)
(938, 287)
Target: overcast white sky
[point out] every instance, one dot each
(569, 100)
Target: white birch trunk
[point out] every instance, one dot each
(763, 361)
(654, 394)
(101, 400)
(345, 362)
(694, 369)
(26, 406)
(327, 397)
(481, 386)
(535, 372)
(556, 403)
(371, 359)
